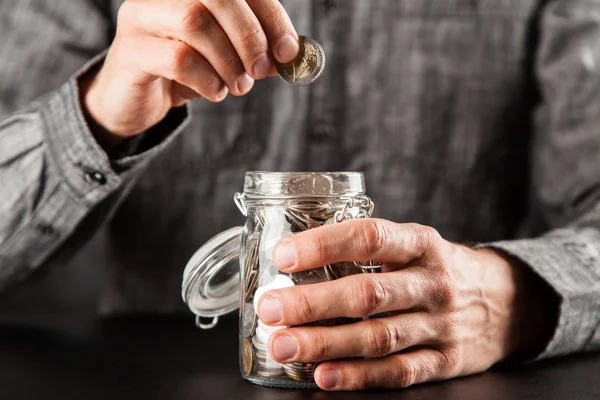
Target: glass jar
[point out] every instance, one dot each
(235, 268)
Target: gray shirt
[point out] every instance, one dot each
(478, 117)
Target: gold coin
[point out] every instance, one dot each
(247, 357)
(307, 67)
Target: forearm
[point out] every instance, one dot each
(58, 182)
(568, 260)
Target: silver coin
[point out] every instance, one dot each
(249, 320)
(259, 345)
(307, 67)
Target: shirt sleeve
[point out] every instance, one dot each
(57, 184)
(566, 172)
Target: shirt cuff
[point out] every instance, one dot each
(568, 261)
(81, 161)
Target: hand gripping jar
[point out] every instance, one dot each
(235, 268)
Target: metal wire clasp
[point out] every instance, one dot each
(213, 322)
(240, 201)
(366, 210)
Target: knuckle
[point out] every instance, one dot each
(449, 329)
(213, 84)
(252, 38)
(383, 339)
(277, 18)
(179, 58)
(424, 237)
(195, 17)
(314, 348)
(234, 66)
(414, 290)
(406, 373)
(365, 378)
(373, 237)
(445, 291)
(304, 308)
(231, 62)
(450, 360)
(278, 23)
(369, 298)
(317, 247)
(431, 233)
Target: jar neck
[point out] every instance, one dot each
(340, 207)
(304, 184)
(305, 201)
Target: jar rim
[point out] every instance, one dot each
(304, 184)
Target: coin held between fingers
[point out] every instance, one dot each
(308, 65)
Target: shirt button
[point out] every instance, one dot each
(45, 229)
(95, 177)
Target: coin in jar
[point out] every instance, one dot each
(249, 320)
(308, 65)
(300, 372)
(247, 356)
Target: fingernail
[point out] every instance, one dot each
(331, 378)
(245, 83)
(285, 256)
(270, 310)
(285, 347)
(262, 66)
(288, 48)
(222, 94)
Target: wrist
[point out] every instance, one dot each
(531, 304)
(93, 112)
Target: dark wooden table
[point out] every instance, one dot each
(168, 358)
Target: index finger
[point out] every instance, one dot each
(244, 31)
(282, 37)
(353, 296)
(250, 27)
(356, 240)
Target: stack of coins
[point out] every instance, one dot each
(250, 269)
(300, 372)
(265, 366)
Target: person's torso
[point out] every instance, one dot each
(432, 100)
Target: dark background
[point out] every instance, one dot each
(70, 288)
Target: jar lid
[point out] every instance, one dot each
(211, 278)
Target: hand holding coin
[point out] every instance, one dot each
(166, 53)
